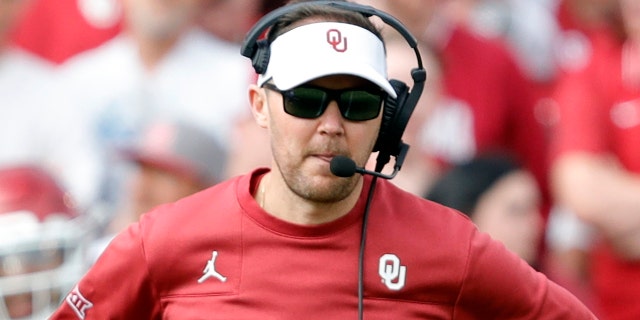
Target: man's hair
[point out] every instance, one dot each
(317, 12)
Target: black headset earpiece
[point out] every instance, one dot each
(389, 115)
(396, 115)
(260, 60)
(396, 112)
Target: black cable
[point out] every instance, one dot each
(363, 240)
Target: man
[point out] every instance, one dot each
(283, 243)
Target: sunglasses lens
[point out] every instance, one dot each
(360, 105)
(305, 102)
(311, 102)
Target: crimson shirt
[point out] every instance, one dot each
(57, 30)
(481, 73)
(600, 114)
(422, 261)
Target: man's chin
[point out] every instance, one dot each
(329, 188)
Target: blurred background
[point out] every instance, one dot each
(529, 124)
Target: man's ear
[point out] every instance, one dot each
(259, 105)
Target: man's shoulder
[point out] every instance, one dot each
(207, 201)
(417, 209)
(211, 212)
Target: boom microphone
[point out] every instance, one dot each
(344, 167)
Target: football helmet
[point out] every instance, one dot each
(42, 237)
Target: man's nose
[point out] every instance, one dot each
(332, 121)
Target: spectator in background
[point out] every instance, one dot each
(569, 238)
(596, 160)
(23, 79)
(172, 160)
(30, 131)
(249, 143)
(58, 30)
(585, 16)
(528, 28)
(503, 199)
(531, 33)
(42, 237)
(161, 66)
(500, 197)
(231, 19)
(548, 48)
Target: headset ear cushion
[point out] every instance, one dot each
(260, 59)
(386, 141)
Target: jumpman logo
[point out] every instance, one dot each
(210, 270)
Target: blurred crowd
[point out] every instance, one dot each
(529, 124)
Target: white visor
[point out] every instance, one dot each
(320, 49)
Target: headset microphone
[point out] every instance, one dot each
(344, 167)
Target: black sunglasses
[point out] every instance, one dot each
(355, 104)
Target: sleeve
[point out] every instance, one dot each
(580, 126)
(499, 285)
(116, 287)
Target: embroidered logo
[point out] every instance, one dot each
(78, 303)
(210, 270)
(390, 270)
(335, 39)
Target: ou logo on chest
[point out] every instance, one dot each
(392, 273)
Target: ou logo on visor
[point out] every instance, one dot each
(390, 270)
(335, 39)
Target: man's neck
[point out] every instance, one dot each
(275, 197)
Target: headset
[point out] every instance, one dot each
(396, 111)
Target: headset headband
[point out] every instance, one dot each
(397, 111)
(249, 45)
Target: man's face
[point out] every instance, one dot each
(303, 148)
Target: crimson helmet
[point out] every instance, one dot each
(41, 243)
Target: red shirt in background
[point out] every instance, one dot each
(484, 75)
(59, 29)
(600, 114)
